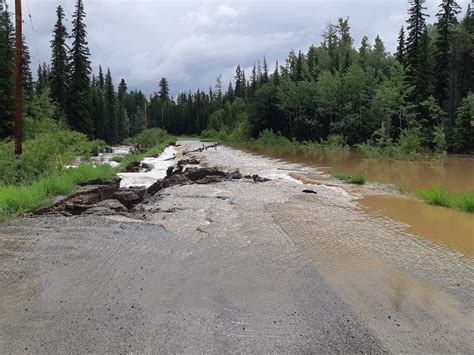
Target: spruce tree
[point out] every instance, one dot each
(239, 82)
(364, 52)
(265, 77)
(449, 9)
(465, 66)
(253, 81)
(425, 84)
(97, 112)
(164, 91)
(416, 31)
(78, 104)
(110, 111)
(276, 75)
(101, 80)
(122, 115)
(59, 60)
(401, 49)
(7, 75)
(27, 77)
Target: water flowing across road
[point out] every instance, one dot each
(234, 266)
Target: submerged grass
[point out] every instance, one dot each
(356, 179)
(439, 197)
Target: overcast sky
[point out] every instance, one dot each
(192, 42)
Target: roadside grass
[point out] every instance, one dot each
(29, 193)
(18, 199)
(439, 197)
(356, 179)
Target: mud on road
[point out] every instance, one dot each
(232, 266)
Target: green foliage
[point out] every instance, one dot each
(336, 140)
(59, 59)
(410, 144)
(355, 180)
(439, 141)
(16, 199)
(269, 138)
(7, 74)
(464, 128)
(148, 139)
(438, 196)
(78, 106)
(46, 153)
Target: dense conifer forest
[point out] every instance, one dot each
(354, 93)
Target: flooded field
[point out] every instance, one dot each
(455, 174)
(448, 227)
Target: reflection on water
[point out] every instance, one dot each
(455, 174)
(454, 229)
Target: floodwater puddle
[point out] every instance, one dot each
(454, 174)
(448, 227)
(454, 229)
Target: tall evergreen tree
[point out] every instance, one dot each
(265, 77)
(110, 111)
(401, 49)
(101, 79)
(59, 60)
(416, 31)
(122, 115)
(253, 81)
(164, 92)
(425, 79)
(447, 19)
(25, 67)
(7, 75)
(78, 105)
(239, 82)
(276, 75)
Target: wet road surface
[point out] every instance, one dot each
(232, 267)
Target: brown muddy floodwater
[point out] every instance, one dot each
(454, 229)
(448, 227)
(455, 174)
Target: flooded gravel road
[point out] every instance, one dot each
(233, 267)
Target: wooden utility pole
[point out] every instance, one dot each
(19, 81)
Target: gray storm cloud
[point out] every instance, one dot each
(192, 42)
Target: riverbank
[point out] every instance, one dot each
(233, 265)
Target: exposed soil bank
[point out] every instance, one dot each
(232, 266)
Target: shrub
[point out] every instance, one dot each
(267, 137)
(147, 139)
(356, 180)
(336, 140)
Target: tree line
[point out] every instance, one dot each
(330, 91)
(358, 95)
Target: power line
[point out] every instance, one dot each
(33, 29)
